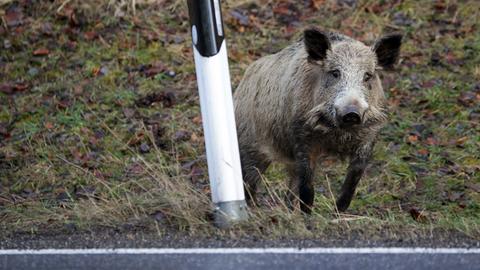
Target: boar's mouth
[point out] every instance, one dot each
(324, 120)
(320, 121)
(318, 118)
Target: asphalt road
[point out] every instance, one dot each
(225, 259)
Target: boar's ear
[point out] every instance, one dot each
(387, 50)
(316, 43)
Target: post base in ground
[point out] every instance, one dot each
(229, 213)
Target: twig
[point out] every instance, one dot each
(4, 22)
(134, 7)
(345, 219)
(332, 196)
(103, 41)
(394, 26)
(4, 2)
(62, 5)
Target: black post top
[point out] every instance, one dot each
(207, 26)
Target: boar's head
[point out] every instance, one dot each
(347, 91)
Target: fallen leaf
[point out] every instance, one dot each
(423, 152)
(468, 98)
(461, 140)
(282, 9)
(240, 18)
(14, 17)
(375, 8)
(90, 35)
(166, 98)
(196, 173)
(41, 52)
(286, 13)
(20, 87)
(136, 139)
(74, 18)
(158, 132)
(440, 5)
(6, 88)
(85, 192)
(474, 116)
(46, 29)
(418, 215)
(432, 141)
(93, 140)
(64, 103)
(419, 185)
(154, 69)
(449, 170)
(63, 197)
(78, 89)
(4, 131)
(194, 138)
(98, 174)
(412, 138)
(316, 4)
(158, 216)
(402, 19)
(96, 71)
(70, 45)
(135, 169)
(181, 135)
(188, 166)
(9, 88)
(429, 84)
(129, 113)
(144, 148)
(49, 125)
(473, 186)
(197, 120)
(452, 59)
(454, 196)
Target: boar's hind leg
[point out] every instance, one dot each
(355, 171)
(254, 164)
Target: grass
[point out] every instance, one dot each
(95, 140)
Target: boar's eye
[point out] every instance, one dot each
(367, 77)
(335, 73)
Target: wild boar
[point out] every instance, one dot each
(320, 96)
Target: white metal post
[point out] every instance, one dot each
(213, 78)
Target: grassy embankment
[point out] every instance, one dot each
(100, 125)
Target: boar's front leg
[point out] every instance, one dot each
(301, 182)
(356, 168)
(301, 171)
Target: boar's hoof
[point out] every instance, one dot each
(343, 204)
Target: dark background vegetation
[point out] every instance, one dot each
(100, 125)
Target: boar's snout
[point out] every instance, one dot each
(349, 116)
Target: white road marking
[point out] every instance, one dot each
(241, 251)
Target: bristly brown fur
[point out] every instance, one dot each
(284, 113)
